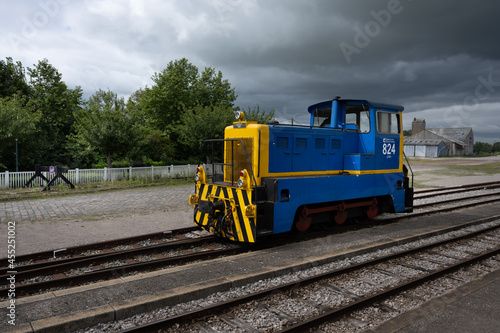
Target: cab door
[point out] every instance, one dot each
(388, 140)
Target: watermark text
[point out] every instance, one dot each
(11, 273)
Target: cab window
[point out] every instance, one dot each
(358, 115)
(388, 122)
(322, 117)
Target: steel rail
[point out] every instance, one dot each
(64, 265)
(44, 255)
(114, 272)
(61, 266)
(222, 307)
(456, 187)
(444, 202)
(417, 196)
(369, 300)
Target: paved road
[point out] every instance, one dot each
(97, 204)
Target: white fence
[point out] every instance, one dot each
(84, 176)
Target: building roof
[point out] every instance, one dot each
(457, 135)
(422, 142)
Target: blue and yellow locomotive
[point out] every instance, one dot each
(275, 178)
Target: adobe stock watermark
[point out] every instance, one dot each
(47, 10)
(225, 7)
(485, 88)
(364, 35)
(11, 272)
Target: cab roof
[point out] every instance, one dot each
(356, 101)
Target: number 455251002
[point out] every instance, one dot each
(389, 149)
(11, 251)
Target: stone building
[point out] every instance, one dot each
(436, 142)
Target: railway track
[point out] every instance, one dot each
(453, 198)
(421, 194)
(350, 295)
(109, 260)
(63, 268)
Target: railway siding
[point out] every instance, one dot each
(144, 292)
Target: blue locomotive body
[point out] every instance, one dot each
(348, 162)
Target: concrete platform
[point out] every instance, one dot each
(118, 299)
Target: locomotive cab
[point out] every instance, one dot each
(274, 178)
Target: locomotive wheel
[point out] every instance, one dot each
(371, 211)
(303, 221)
(341, 216)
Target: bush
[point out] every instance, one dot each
(482, 148)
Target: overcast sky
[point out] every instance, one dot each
(439, 59)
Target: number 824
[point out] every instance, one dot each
(389, 149)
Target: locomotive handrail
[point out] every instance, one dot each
(231, 164)
(408, 162)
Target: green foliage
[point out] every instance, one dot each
(152, 143)
(201, 123)
(173, 88)
(160, 125)
(496, 147)
(179, 87)
(57, 103)
(105, 125)
(18, 120)
(406, 132)
(12, 79)
(261, 117)
(482, 148)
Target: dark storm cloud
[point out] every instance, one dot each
(424, 55)
(440, 59)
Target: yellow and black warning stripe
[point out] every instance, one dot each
(232, 223)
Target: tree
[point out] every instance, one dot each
(181, 87)
(153, 143)
(18, 120)
(12, 79)
(496, 147)
(105, 125)
(204, 122)
(58, 104)
(482, 148)
(256, 115)
(407, 133)
(173, 89)
(212, 89)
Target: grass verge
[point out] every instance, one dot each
(65, 190)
